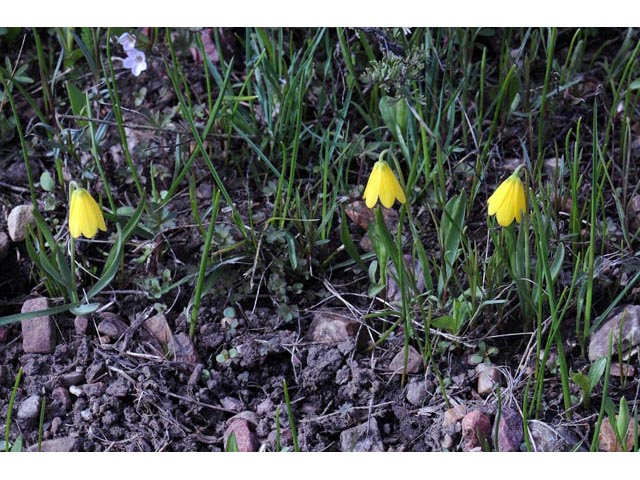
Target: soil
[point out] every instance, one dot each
(115, 382)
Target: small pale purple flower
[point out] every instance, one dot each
(127, 41)
(135, 61)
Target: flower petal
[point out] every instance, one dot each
(372, 190)
(85, 216)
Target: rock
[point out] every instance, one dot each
(4, 246)
(510, 432)
(633, 214)
(414, 361)
(394, 294)
(447, 442)
(332, 327)
(29, 409)
(545, 438)
(625, 370)
(73, 378)
(453, 415)
(4, 334)
(416, 392)
(61, 401)
(362, 216)
(488, 377)
(246, 438)
(62, 444)
(183, 349)
(38, 333)
(81, 324)
(362, 438)
(476, 430)
(158, 327)
(625, 328)
(112, 325)
(86, 415)
(75, 390)
(607, 441)
(17, 222)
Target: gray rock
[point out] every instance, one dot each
(416, 391)
(4, 246)
(73, 378)
(62, 444)
(547, 438)
(363, 438)
(38, 333)
(29, 409)
(17, 222)
(624, 327)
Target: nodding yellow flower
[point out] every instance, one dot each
(508, 201)
(85, 216)
(383, 184)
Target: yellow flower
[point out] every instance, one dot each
(383, 184)
(85, 216)
(508, 201)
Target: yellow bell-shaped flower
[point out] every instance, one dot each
(384, 185)
(508, 201)
(85, 216)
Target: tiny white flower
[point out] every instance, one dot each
(127, 41)
(135, 61)
(406, 31)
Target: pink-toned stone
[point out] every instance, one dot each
(453, 415)
(488, 377)
(38, 333)
(476, 430)
(414, 361)
(246, 438)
